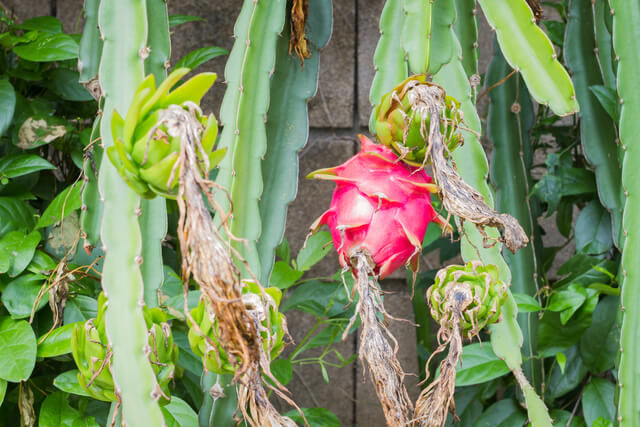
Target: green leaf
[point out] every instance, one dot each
(17, 349)
(68, 382)
(526, 303)
(65, 83)
(48, 48)
(561, 418)
(507, 413)
(283, 276)
(568, 301)
(198, 57)
(282, 369)
(58, 342)
(316, 417)
(479, 364)
(3, 390)
(15, 214)
(316, 248)
(317, 298)
(599, 343)
(593, 229)
(608, 98)
(45, 24)
(175, 20)
(601, 422)
(80, 308)
(35, 132)
(561, 358)
(7, 104)
(17, 250)
(598, 401)
(178, 413)
(561, 382)
(15, 165)
(555, 31)
(283, 251)
(56, 412)
(21, 293)
(66, 202)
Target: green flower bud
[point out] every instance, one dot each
(475, 284)
(144, 152)
(204, 339)
(401, 124)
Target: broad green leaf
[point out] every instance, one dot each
(58, 342)
(598, 401)
(316, 417)
(48, 47)
(555, 31)
(45, 24)
(561, 418)
(602, 422)
(479, 364)
(15, 214)
(15, 165)
(560, 383)
(317, 298)
(283, 251)
(68, 382)
(17, 349)
(56, 411)
(3, 390)
(41, 263)
(17, 250)
(316, 248)
(21, 293)
(599, 343)
(561, 358)
(585, 270)
(526, 303)
(554, 337)
(7, 104)
(80, 308)
(568, 301)
(178, 413)
(608, 98)
(66, 202)
(282, 370)
(507, 413)
(64, 83)
(593, 232)
(283, 276)
(175, 20)
(198, 57)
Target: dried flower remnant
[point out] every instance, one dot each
(298, 42)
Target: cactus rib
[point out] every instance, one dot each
(90, 43)
(527, 49)
(510, 120)
(389, 58)
(604, 47)
(597, 131)
(466, 29)
(124, 29)
(288, 129)
(242, 114)
(626, 39)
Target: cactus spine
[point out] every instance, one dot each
(625, 42)
(124, 29)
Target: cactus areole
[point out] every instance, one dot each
(381, 207)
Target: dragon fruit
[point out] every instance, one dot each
(381, 206)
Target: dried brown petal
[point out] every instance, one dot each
(298, 41)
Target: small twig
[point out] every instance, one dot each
(493, 86)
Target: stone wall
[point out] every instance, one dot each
(338, 112)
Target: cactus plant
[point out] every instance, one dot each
(123, 26)
(288, 129)
(242, 114)
(625, 18)
(527, 49)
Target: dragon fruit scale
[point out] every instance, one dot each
(381, 206)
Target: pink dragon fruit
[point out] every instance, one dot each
(380, 205)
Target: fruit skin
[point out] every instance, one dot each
(93, 354)
(395, 114)
(487, 292)
(380, 205)
(204, 337)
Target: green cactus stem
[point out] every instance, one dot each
(466, 29)
(123, 24)
(626, 15)
(242, 114)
